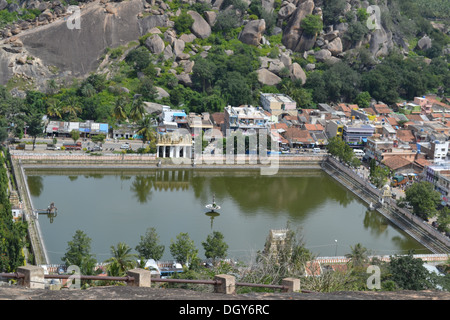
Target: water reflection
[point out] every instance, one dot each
(212, 215)
(35, 185)
(251, 205)
(375, 222)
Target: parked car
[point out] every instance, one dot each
(97, 148)
(125, 146)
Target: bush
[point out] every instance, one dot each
(183, 23)
(312, 24)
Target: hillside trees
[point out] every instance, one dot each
(423, 198)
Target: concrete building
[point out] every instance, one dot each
(434, 150)
(247, 119)
(439, 176)
(278, 104)
(172, 119)
(355, 134)
(86, 129)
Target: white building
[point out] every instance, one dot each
(176, 144)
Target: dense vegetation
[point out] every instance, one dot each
(223, 78)
(270, 266)
(12, 234)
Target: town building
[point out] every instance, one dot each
(355, 134)
(278, 104)
(247, 119)
(86, 129)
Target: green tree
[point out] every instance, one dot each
(183, 23)
(363, 99)
(55, 108)
(145, 129)
(137, 109)
(183, 249)
(312, 24)
(358, 256)
(72, 107)
(75, 135)
(443, 219)
(119, 111)
(215, 246)
(149, 247)
(121, 260)
(379, 175)
(35, 127)
(423, 198)
(139, 58)
(78, 253)
(409, 273)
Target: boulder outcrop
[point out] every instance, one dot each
(252, 32)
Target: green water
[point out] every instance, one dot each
(119, 206)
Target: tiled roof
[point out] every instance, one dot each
(313, 127)
(298, 135)
(396, 162)
(405, 135)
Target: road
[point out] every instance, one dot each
(41, 144)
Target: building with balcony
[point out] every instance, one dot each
(247, 119)
(278, 104)
(355, 134)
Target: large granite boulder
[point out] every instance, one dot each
(297, 73)
(293, 31)
(322, 55)
(252, 32)
(424, 43)
(335, 46)
(268, 78)
(155, 44)
(200, 27)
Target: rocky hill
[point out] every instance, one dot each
(45, 47)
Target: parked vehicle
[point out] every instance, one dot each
(125, 146)
(359, 153)
(398, 180)
(72, 146)
(20, 146)
(97, 148)
(51, 146)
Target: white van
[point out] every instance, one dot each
(316, 150)
(359, 153)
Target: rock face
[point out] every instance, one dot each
(380, 42)
(78, 50)
(335, 46)
(424, 43)
(252, 32)
(200, 27)
(322, 55)
(297, 73)
(268, 78)
(155, 44)
(293, 32)
(3, 4)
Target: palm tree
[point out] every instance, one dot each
(145, 130)
(121, 260)
(359, 255)
(54, 108)
(137, 109)
(119, 109)
(72, 107)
